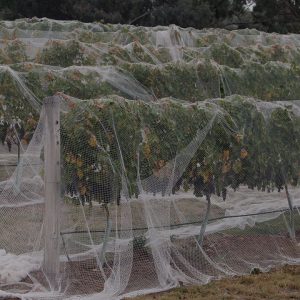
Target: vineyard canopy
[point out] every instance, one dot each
(146, 158)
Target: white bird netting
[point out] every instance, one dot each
(137, 178)
(149, 192)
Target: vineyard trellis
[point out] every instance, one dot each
(180, 166)
(121, 220)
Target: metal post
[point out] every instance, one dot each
(292, 220)
(52, 189)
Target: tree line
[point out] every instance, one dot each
(281, 16)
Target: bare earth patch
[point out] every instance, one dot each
(84, 277)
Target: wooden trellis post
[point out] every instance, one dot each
(52, 188)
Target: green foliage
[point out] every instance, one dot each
(16, 51)
(225, 55)
(243, 147)
(251, 142)
(64, 55)
(14, 108)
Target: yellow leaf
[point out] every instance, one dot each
(79, 162)
(80, 174)
(147, 151)
(239, 137)
(226, 167)
(226, 155)
(93, 141)
(237, 166)
(82, 190)
(244, 153)
(73, 159)
(207, 176)
(68, 158)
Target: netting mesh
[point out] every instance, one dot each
(170, 172)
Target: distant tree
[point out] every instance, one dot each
(41, 8)
(269, 15)
(194, 13)
(277, 15)
(8, 9)
(188, 13)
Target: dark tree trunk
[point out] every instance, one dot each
(204, 222)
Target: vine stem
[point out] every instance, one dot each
(292, 221)
(106, 234)
(204, 223)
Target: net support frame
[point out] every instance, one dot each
(52, 189)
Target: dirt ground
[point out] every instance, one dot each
(233, 248)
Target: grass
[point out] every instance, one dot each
(278, 284)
